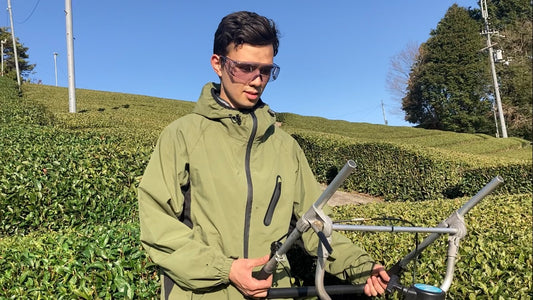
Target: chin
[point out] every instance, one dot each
(248, 104)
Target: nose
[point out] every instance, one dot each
(257, 80)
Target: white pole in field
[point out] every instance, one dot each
(14, 42)
(70, 58)
(3, 42)
(55, 65)
(383, 109)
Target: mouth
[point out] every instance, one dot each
(252, 95)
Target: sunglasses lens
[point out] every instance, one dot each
(247, 72)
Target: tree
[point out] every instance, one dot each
(444, 90)
(400, 67)
(25, 67)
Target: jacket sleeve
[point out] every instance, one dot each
(348, 261)
(191, 264)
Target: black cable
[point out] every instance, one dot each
(31, 14)
(417, 254)
(416, 241)
(287, 270)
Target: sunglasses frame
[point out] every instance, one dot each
(248, 71)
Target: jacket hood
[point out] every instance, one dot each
(238, 121)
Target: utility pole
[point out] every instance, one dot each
(3, 42)
(55, 65)
(383, 109)
(14, 42)
(495, 120)
(70, 58)
(488, 32)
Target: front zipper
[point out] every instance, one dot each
(250, 196)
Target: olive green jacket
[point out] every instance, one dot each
(205, 196)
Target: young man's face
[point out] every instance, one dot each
(243, 72)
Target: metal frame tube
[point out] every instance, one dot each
(335, 184)
(487, 189)
(439, 230)
(456, 232)
(301, 225)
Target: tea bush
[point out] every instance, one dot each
(15, 109)
(495, 258)
(480, 145)
(401, 173)
(55, 179)
(97, 262)
(68, 213)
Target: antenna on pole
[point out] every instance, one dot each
(485, 14)
(383, 109)
(70, 58)
(14, 42)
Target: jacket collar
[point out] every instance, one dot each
(238, 122)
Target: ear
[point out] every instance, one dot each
(216, 63)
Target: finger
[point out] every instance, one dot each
(265, 258)
(383, 283)
(370, 285)
(380, 280)
(377, 285)
(261, 294)
(260, 261)
(367, 290)
(263, 284)
(384, 275)
(378, 268)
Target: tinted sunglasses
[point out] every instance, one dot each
(248, 71)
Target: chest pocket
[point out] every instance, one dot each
(185, 216)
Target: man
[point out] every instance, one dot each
(223, 182)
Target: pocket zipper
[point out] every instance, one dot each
(273, 202)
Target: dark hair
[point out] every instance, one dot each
(245, 27)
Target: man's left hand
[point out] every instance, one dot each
(377, 282)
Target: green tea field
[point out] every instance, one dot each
(68, 185)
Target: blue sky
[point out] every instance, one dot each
(334, 55)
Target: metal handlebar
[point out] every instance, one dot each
(454, 226)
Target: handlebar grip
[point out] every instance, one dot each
(262, 274)
(270, 266)
(310, 291)
(417, 291)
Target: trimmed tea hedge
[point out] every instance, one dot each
(407, 173)
(56, 179)
(495, 257)
(98, 262)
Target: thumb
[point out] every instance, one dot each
(260, 261)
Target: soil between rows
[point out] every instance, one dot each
(342, 198)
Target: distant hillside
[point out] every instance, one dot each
(462, 143)
(146, 116)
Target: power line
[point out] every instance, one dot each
(31, 13)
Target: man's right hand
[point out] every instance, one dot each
(241, 277)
